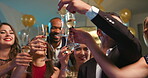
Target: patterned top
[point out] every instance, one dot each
(2, 62)
(146, 58)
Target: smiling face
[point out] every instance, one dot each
(82, 53)
(55, 29)
(7, 36)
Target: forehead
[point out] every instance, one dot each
(83, 45)
(5, 27)
(56, 22)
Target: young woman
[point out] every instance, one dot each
(10, 57)
(71, 61)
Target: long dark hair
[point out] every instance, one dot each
(15, 48)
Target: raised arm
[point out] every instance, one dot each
(138, 69)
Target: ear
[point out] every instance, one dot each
(99, 33)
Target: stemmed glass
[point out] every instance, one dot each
(42, 30)
(24, 40)
(71, 23)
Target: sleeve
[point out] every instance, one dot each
(92, 12)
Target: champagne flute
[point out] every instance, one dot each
(42, 30)
(70, 20)
(71, 23)
(24, 40)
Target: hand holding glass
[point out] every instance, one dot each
(42, 30)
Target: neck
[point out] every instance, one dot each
(77, 65)
(4, 53)
(55, 45)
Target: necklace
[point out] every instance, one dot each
(5, 60)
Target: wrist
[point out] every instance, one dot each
(63, 67)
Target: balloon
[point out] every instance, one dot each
(132, 30)
(28, 20)
(31, 20)
(25, 20)
(125, 15)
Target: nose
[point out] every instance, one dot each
(7, 34)
(57, 30)
(82, 52)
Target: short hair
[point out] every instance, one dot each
(54, 18)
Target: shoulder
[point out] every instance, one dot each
(90, 62)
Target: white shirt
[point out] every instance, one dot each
(92, 12)
(56, 53)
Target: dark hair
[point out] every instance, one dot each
(15, 48)
(54, 19)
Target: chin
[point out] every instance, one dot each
(145, 39)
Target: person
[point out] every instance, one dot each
(41, 67)
(80, 55)
(10, 56)
(56, 42)
(125, 51)
(135, 70)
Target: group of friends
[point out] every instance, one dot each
(118, 56)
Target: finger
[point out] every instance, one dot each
(23, 64)
(19, 58)
(23, 54)
(62, 3)
(70, 8)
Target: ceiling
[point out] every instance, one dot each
(44, 10)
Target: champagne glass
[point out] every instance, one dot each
(24, 40)
(70, 20)
(42, 30)
(62, 12)
(70, 23)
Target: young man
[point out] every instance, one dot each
(56, 42)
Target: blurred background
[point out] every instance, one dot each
(132, 12)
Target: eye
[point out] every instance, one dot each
(2, 32)
(11, 32)
(52, 27)
(78, 49)
(85, 49)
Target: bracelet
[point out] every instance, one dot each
(146, 58)
(65, 70)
